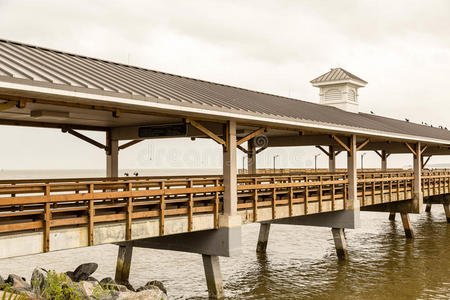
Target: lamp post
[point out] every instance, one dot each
(362, 161)
(274, 159)
(315, 161)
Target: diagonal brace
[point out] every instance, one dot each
(84, 138)
(251, 135)
(129, 144)
(206, 131)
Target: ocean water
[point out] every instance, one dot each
(300, 263)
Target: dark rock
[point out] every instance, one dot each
(107, 280)
(155, 283)
(90, 278)
(38, 278)
(71, 275)
(2, 282)
(18, 282)
(82, 272)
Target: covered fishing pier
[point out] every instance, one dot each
(201, 214)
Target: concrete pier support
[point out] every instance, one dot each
(447, 211)
(263, 238)
(331, 159)
(123, 263)
(213, 276)
(340, 243)
(409, 233)
(428, 207)
(352, 202)
(112, 156)
(251, 157)
(417, 184)
(392, 216)
(384, 160)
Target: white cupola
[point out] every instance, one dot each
(339, 88)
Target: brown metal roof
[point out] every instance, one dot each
(337, 74)
(59, 70)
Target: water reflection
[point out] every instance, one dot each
(300, 263)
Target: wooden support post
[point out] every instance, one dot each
(230, 172)
(352, 195)
(428, 208)
(112, 156)
(383, 161)
(255, 201)
(331, 159)
(340, 243)
(392, 216)
(251, 157)
(407, 225)
(129, 213)
(124, 263)
(91, 215)
(213, 276)
(47, 220)
(162, 209)
(417, 194)
(263, 237)
(190, 208)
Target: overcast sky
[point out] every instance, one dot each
(402, 48)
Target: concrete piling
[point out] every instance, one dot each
(392, 216)
(263, 238)
(340, 243)
(213, 276)
(409, 233)
(447, 211)
(428, 207)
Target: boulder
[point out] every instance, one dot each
(107, 280)
(38, 278)
(153, 293)
(18, 282)
(154, 283)
(71, 275)
(82, 272)
(87, 287)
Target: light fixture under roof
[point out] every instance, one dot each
(49, 114)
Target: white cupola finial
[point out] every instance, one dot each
(339, 88)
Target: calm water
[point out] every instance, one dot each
(300, 263)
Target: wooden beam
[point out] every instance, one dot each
(379, 154)
(129, 144)
(323, 150)
(261, 149)
(84, 138)
(411, 149)
(423, 149)
(206, 131)
(425, 162)
(360, 147)
(340, 142)
(242, 149)
(51, 125)
(251, 135)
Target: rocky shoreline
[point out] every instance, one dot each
(78, 285)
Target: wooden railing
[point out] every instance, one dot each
(41, 205)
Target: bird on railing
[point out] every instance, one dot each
(136, 174)
(126, 174)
